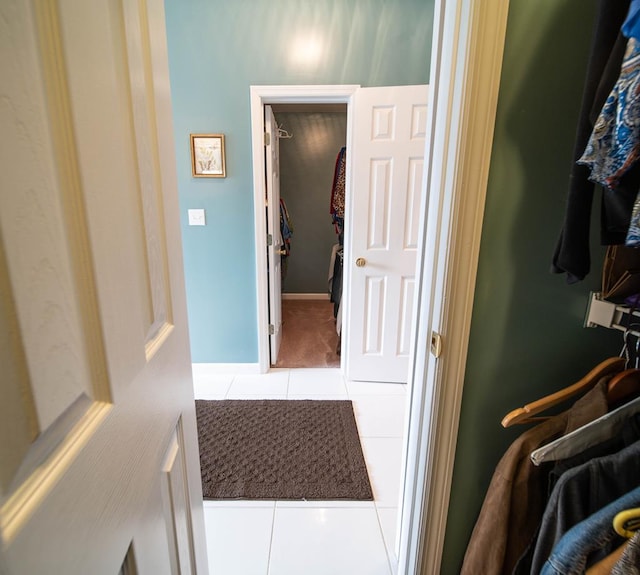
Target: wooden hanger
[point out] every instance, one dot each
(623, 386)
(626, 383)
(524, 414)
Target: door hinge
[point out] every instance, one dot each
(267, 138)
(436, 344)
(269, 240)
(272, 329)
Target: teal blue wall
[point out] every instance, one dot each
(527, 338)
(217, 49)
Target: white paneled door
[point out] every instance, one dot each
(387, 164)
(99, 469)
(275, 245)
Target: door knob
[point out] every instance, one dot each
(281, 252)
(360, 262)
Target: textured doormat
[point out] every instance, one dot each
(280, 449)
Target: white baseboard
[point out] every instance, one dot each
(324, 296)
(204, 369)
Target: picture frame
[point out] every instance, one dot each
(207, 156)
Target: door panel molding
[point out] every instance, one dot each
(143, 113)
(51, 304)
(65, 151)
(25, 500)
(411, 225)
(405, 325)
(176, 506)
(380, 206)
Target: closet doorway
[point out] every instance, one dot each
(385, 155)
(307, 143)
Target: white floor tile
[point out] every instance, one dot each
(334, 504)
(383, 456)
(325, 541)
(375, 388)
(209, 370)
(211, 386)
(313, 537)
(210, 396)
(238, 539)
(317, 381)
(270, 503)
(388, 521)
(232, 395)
(319, 396)
(274, 382)
(379, 415)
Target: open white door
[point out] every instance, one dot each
(274, 242)
(99, 469)
(387, 159)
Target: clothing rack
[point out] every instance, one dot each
(603, 313)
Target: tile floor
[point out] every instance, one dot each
(316, 537)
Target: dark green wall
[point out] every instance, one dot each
(307, 163)
(527, 338)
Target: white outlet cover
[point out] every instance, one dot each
(196, 217)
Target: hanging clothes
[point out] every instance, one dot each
(590, 464)
(590, 540)
(516, 498)
(572, 253)
(286, 227)
(604, 566)
(592, 434)
(336, 208)
(332, 264)
(286, 231)
(631, 26)
(614, 145)
(583, 491)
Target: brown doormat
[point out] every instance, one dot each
(280, 449)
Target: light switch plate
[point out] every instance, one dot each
(196, 218)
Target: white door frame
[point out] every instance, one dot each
(466, 63)
(261, 95)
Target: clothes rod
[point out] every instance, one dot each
(603, 313)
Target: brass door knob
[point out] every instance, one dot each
(281, 252)
(360, 262)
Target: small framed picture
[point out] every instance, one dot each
(207, 156)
